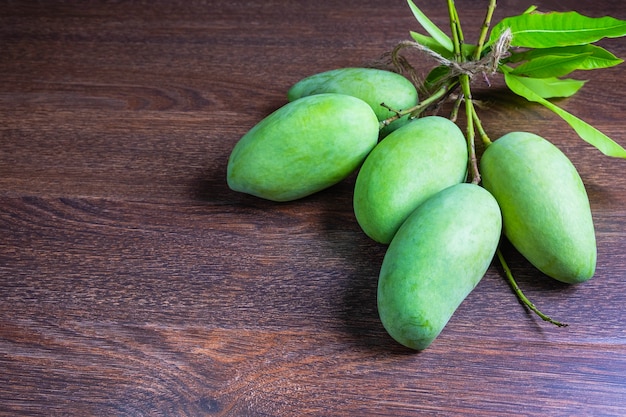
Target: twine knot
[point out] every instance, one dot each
(486, 65)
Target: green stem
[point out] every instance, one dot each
(459, 30)
(457, 33)
(484, 30)
(477, 54)
(455, 108)
(420, 107)
(464, 80)
(471, 134)
(520, 294)
(479, 126)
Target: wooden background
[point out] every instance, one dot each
(133, 282)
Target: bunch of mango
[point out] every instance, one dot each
(411, 192)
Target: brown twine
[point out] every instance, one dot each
(486, 65)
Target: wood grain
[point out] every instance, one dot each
(133, 282)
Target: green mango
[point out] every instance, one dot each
(303, 147)
(439, 255)
(410, 165)
(544, 205)
(374, 86)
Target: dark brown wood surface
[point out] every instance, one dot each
(134, 282)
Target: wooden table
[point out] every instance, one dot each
(134, 282)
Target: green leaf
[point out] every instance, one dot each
(432, 29)
(596, 57)
(436, 76)
(432, 44)
(552, 87)
(587, 132)
(536, 30)
(550, 66)
(467, 49)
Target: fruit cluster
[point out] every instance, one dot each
(421, 187)
(411, 192)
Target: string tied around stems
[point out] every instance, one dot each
(487, 65)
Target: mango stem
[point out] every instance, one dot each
(455, 108)
(457, 32)
(520, 295)
(479, 126)
(418, 108)
(484, 30)
(471, 134)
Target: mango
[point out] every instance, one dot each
(303, 147)
(544, 204)
(439, 255)
(410, 165)
(374, 86)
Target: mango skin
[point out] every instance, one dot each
(410, 165)
(374, 86)
(544, 205)
(303, 147)
(435, 260)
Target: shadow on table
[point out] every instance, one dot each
(361, 260)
